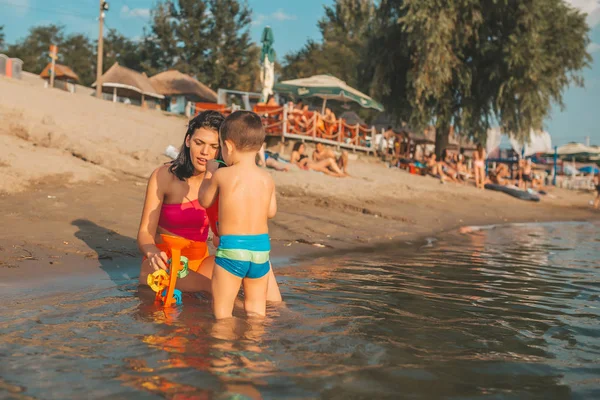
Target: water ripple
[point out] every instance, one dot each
(510, 312)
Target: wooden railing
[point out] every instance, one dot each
(311, 126)
(199, 107)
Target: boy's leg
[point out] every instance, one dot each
(225, 287)
(273, 293)
(255, 295)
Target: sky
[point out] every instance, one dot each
(293, 23)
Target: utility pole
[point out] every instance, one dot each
(53, 56)
(103, 7)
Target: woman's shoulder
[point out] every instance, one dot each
(162, 174)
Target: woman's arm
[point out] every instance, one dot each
(155, 193)
(294, 157)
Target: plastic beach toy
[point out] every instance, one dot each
(163, 282)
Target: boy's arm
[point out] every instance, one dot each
(209, 189)
(272, 205)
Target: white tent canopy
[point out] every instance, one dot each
(539, 142)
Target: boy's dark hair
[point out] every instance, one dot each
(182, 166)
(244, 129)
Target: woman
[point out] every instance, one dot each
(448, 166)
(596, 202)
(434, 168)
(479, 166)
(171, 207)
(327, 166)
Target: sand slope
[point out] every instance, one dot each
(114, 136)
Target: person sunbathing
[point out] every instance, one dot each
(448, 167)
(322, 152)
(435, 169)
(327, 166)
(500, 175)
(264, 159)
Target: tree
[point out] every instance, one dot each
(207, 39)
(33, 49)
(345, 30)
(118, 48)
(78, 53)
(469, 63)
(230, 54)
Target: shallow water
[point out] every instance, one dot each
(504, 313)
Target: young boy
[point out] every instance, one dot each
(246, 196)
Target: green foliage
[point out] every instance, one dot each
(207, 39)
(466, 63)
(33, 49)
(472, 63)
(78, 53)
(118, 48)
(345, 29)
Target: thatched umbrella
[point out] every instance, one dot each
(125, 82)
(61, 72)
(175, 83)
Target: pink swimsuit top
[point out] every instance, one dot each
(188, 220)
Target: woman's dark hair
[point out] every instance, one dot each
(182, 166)
(297, 146)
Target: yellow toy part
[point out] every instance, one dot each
(158, 280)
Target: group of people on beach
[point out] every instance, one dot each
(453, 167)
(192, 195)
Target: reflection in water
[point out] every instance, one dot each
(508, 312)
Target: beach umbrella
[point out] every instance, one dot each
(589, 169)
(572, 149)
(267, 61)
(326, 87)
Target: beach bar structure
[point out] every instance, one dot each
(286, 123)
(179, 89)
(11, 67)
(128, 86)
(64, 77)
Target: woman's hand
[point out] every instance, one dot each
(158, 259)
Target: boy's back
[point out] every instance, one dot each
(245, 197)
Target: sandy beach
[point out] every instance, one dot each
(74, 172)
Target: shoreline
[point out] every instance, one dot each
(86, 231)
(75, 169)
